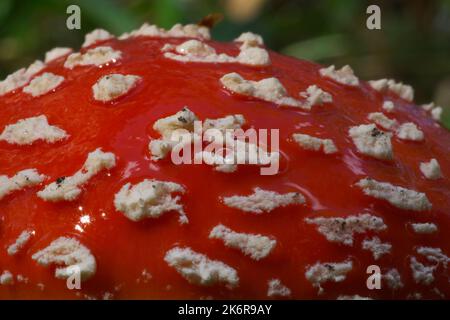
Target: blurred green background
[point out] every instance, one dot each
(413, 45)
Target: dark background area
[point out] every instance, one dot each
(413, 45)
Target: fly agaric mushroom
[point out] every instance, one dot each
(87, 185)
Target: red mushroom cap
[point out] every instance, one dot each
(356, 186)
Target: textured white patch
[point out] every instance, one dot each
(353, 297)
(372, 142)
(183, 119)
(435, 111)
(30, 130)
(388, 106)
(20, 242)
(69, 253)
(69, 188)
(97, 56)
(263, 201)
(22, 179)
(249, 39)
(399, 197)
(199, 269)
(424, 274)
(409, 131)
(113, 86)
(383, 121)
(149, 199)
(20, 77)
(277, 289)
(95, 36)
(431, 169)
(308, 142)
(424, 228)
(43, 84)
(341, 230)
(239, 152)
(403, 91)
(421, 273)
(177, 31)
(393, 279)
(328, 272)
(345, 75)
(377, 247)
(270, 89)
(197, 51)
(166, 127)
(315, 96)
(57, 53)
(228, 122)
(6, 278)
(434, 255)
(255, 246)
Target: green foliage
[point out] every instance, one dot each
(413, 45)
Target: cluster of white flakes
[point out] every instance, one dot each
(277, 289)
(269, 89)
(149, 199)
(57, 53)
(113, 86)
(315, 96)
(371, 141)
(43, 84)
(308, 142)
(177, 31)
(96, 36)
(393, 279)
(405, 131)
(383, 121)
(424, 274)
(241, 152)
(409, 131)
(22, 179)
(434, 255)
(377, 247)
(197, 51)
(181, 122)
(345, 75)
(328, 272)
(178, 130)
(27, 131)
(70, 256)
(249, 39)
(233, 122)
(97, 56)
(431, 169)
(6, 278)
(20, 77)
(435, 111)
(424, 228)
(20, 242)
(388, 106)
(69, 188)
(421, 273)
(263, 201)
(403, 91)
(399, 197)
(342, 230)
(255, 246)
(198, 269)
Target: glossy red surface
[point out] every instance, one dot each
(123, 249)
